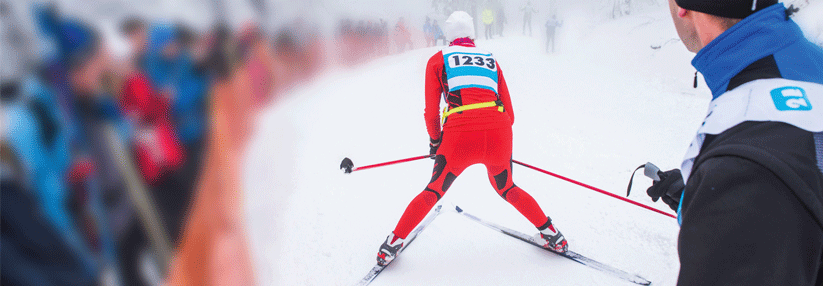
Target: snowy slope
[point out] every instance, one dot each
(599, 107)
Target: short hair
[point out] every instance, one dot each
(131, 25)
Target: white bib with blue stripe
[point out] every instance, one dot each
(777, 100)
(470, 67)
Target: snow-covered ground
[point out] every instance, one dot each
(602, 105)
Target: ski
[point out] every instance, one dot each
(378, 268)
(569, 254)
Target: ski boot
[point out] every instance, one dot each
(388, 251)
(554, 240)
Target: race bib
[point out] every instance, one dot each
(470, 67)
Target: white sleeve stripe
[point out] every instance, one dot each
(472, 80)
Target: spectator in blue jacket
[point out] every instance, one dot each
(42, 243)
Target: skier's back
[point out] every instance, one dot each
(476, 129)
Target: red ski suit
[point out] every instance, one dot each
(482, 135)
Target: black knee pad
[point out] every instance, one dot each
(501, 179)
(447, 182)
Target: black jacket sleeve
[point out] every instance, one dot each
(742, 225)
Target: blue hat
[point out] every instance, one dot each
(73, 37)
(76, 41)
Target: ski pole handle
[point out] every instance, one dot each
(593, 188)
(348, 166)
(651, 171)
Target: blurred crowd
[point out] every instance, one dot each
(361, 40)
(489, 15)
(433, 33)
(125, 171)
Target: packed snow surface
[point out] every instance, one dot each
(600, 106)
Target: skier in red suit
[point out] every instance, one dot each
(476, 129)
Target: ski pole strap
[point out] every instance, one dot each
(629, 189)
(447, 111)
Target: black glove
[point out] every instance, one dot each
(669, 188)
(433, 145)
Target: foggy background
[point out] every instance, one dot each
(272, 15)
(284, 90)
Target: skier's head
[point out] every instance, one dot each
(698, 22)
(458, 25)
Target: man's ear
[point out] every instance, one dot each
(682, 12)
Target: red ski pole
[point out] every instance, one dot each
(347, 165)
(593, 188)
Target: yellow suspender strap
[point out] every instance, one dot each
(447, 111)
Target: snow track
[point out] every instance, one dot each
(600, 106)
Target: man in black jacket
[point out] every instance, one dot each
(751, 207)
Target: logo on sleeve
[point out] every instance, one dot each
(791, 98)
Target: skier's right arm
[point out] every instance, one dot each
(434, 89)
(503, 91)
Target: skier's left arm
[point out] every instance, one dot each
(434, 90)
(503, 92)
